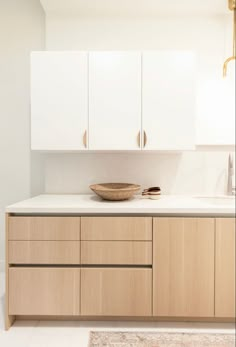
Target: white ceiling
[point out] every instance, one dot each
(136, 7)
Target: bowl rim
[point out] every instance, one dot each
(101, 187)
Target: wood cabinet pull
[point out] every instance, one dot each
(139, 139)
(144, 139)
(85, 139)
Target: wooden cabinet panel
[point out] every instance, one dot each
(114, 100)
(44, 252)
(44, 291)
(116, 228)
(168, 116)
(183, 267)
(59, 100)
(116, 292)
(225, 268)
(44, 228)
(116, 252)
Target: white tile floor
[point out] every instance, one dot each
(76, 334)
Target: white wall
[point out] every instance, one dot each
(187, 173)
(23, 173)
(21, 30)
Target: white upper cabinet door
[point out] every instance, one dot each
(168, 100)
(216, 112)
(114, 100)
(59, 100)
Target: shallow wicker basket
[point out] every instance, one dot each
(115, 191)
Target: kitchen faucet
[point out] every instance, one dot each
(230, 185)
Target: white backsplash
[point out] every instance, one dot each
(203, 173)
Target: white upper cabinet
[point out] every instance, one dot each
(111, 100)
(216, 112)
(168, 116)
(59, 100)
(114, 100)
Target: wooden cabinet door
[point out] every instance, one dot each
(225, 268)
(44, 291)
(183, 267)
(116, 292)
(114, 100)
(168, 104)
(59, 100)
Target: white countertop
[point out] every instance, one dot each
(91, 204)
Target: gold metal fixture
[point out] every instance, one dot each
(232, 7)
(232, 4)
(144, 139)
(85, 139)
(139, 139)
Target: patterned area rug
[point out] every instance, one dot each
(154, 339)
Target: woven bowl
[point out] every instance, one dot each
(115, 191)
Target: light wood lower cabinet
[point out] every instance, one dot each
(183, 267)
(44, 291)
(130, 267)
(116, 292)
(225, 268)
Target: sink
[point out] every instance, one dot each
(218, 200)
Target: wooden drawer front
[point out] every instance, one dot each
(44, 291)
(116, 252)
(225, 268)
(116, 228)
(44, 252)
(44, 228)
(116, 292)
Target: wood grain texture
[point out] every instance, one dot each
(225, 268)
(183, 267)
(44, 228)
(115, 191)
(116, 252)
(9, 319)
(44, 252)
(116, 228)
(44, 291)
(116, 292)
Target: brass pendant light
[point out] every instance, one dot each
(232, 7)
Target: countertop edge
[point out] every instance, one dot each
(126, 211)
